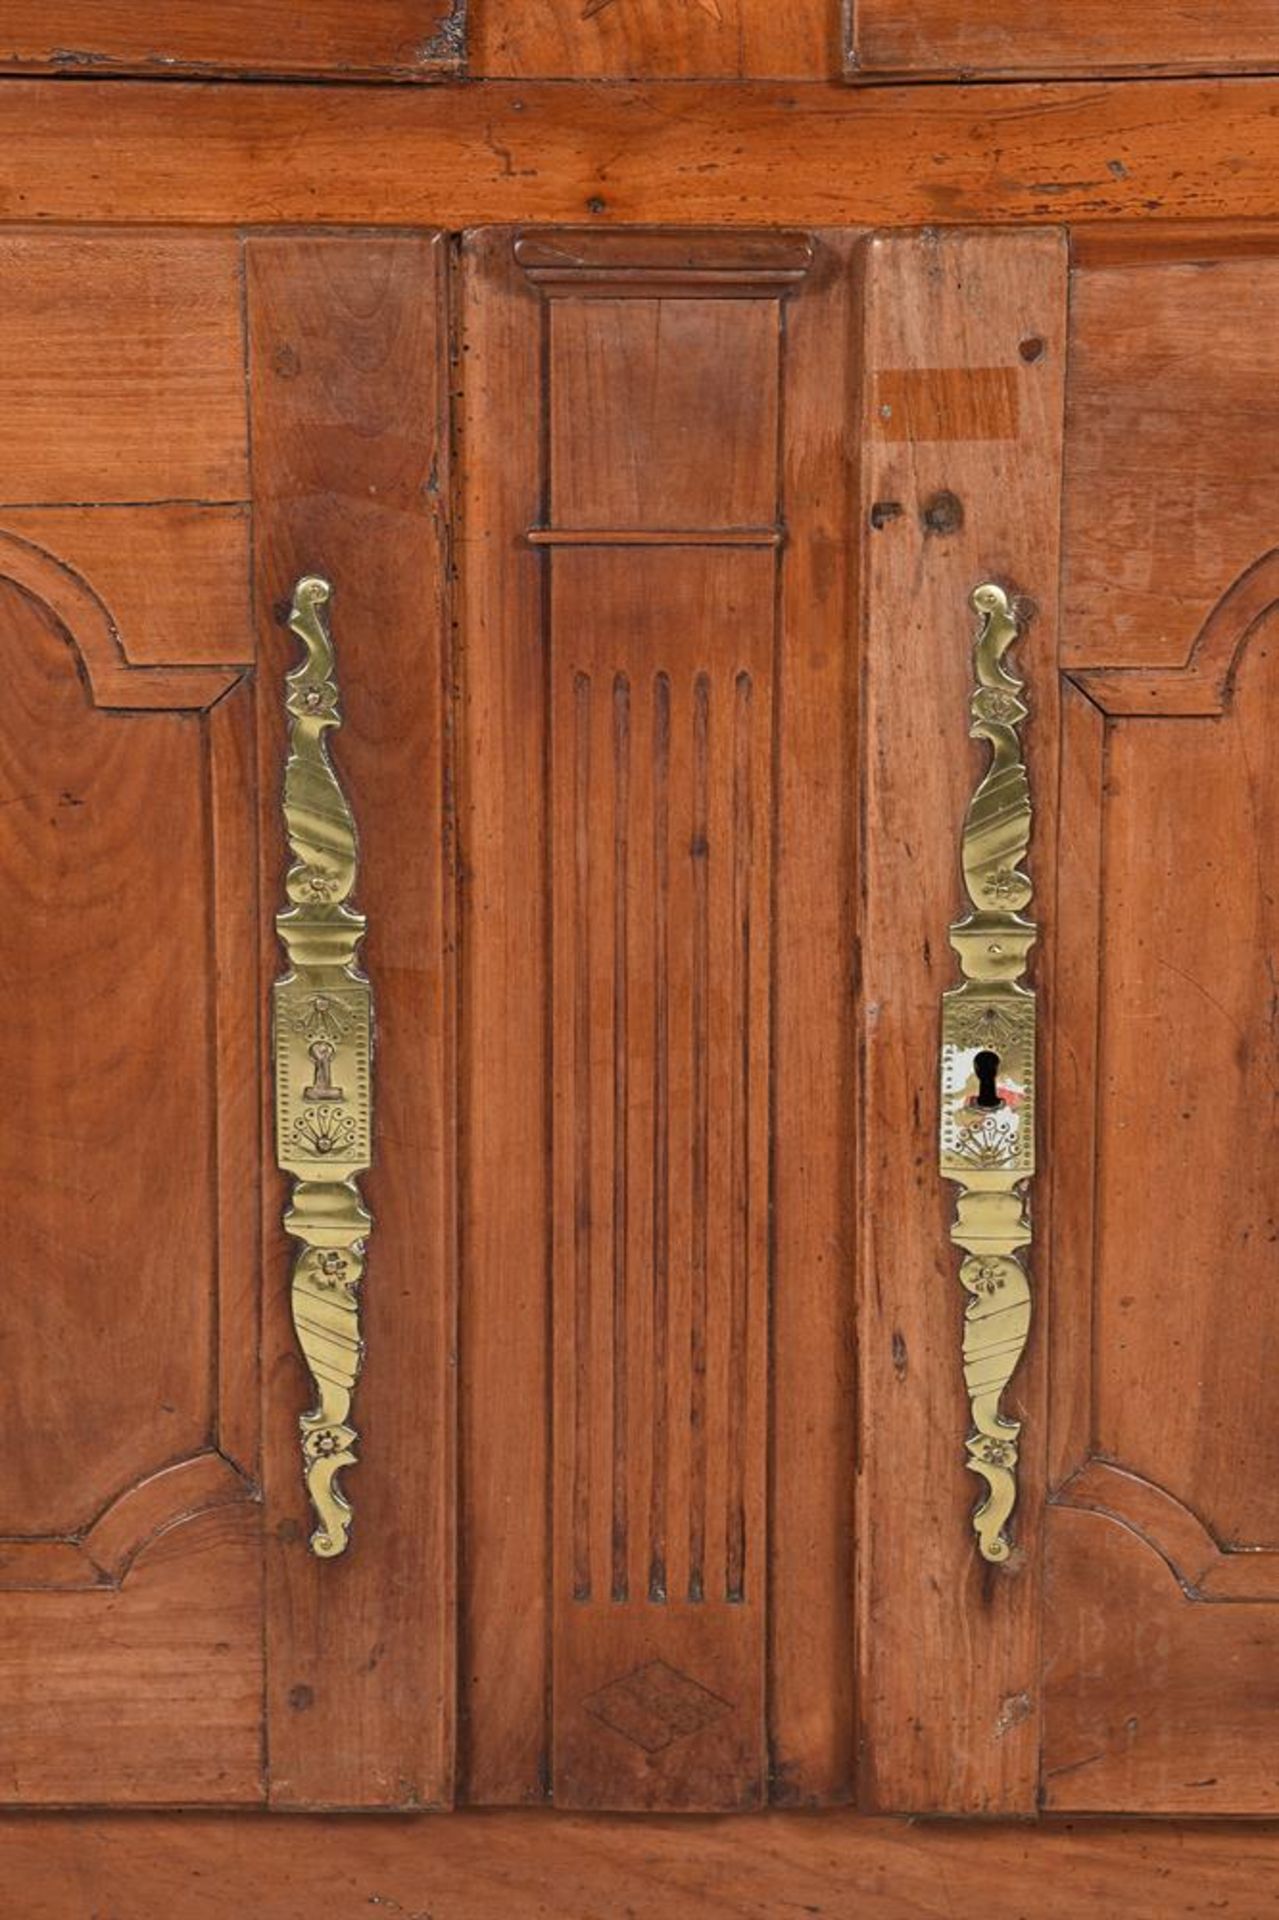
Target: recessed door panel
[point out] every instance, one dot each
(1163, 1571)
(105, 959)
(129, 1321)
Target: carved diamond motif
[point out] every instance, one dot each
(655, 1706)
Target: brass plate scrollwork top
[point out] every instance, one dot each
(323, 1045)
(988, 1072)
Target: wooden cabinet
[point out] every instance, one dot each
(659, 789)
(653, 437)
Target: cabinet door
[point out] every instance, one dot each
(1161, 1688)
(1123, 1657)
(165, 1634)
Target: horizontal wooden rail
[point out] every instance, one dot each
(488, 1866)
(725, 153)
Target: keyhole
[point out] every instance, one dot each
(986, 1066)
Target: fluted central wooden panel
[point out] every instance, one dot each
(654, 1119)
(662, 490)
(661, 669)
(661, 785)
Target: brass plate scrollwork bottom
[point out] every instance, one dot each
(323, 1042)
(988, 1072)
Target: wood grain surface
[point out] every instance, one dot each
(800, 154)
(121, 368)
(378, 39)
(648, 39)
(943, 38)
(346, 341)
(401, 40)
(503, 1122)
(948, 1644)
(535, 1865)
(627, 771)
(1172, 453)
(815, 1110)
(175, 576)
(131, 1669)
(1162, 1584)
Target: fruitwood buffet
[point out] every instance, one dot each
(655, 402)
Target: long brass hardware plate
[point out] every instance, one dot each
(323, 1046)
(988, 1072)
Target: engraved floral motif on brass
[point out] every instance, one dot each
(988, 1072)
(323, 1043)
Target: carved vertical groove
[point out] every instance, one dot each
(661, 1097)
(583, 1145)
(743, 860)
(620, 1541)
(661, 1131)
(699, 854)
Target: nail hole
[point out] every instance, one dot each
(942, 513)
(1031, 348)
(883, 511)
